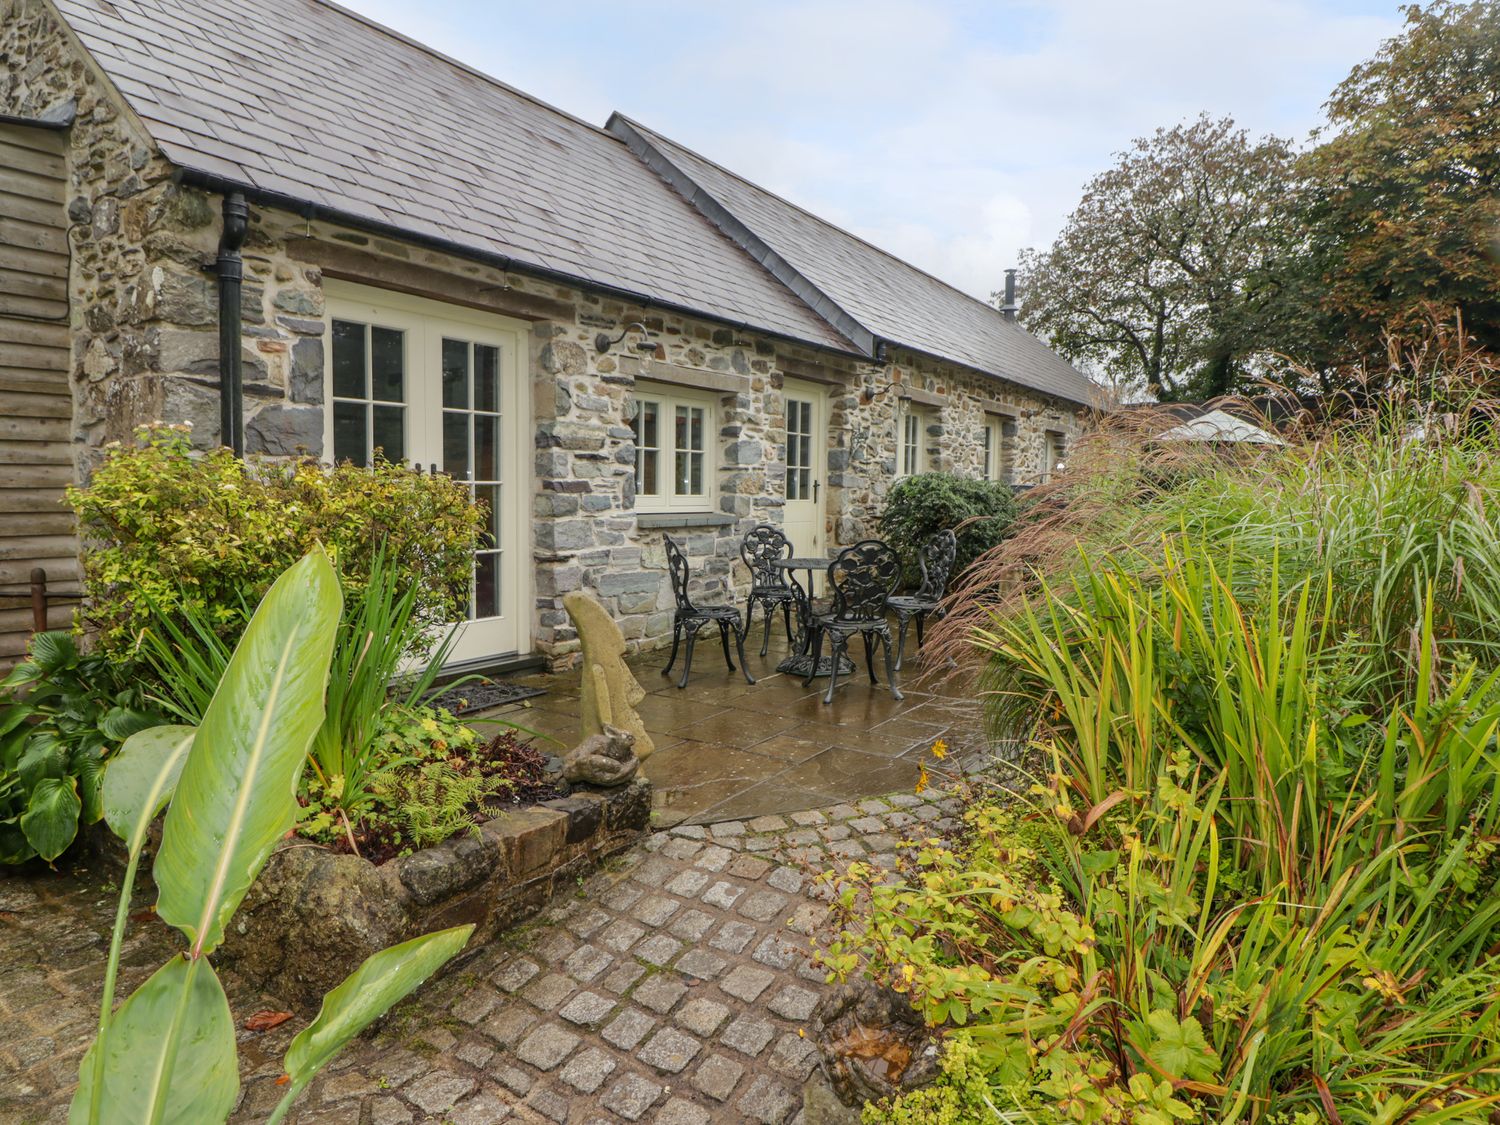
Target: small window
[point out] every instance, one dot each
(998, 441)
(912, 453)
(1054, 454)
(369, 392)
(673, 462)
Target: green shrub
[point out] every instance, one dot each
(166, 526)
(62, 714)
(921, 505)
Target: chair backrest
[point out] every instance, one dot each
(936, 560)
(762, 545)
(677, 566)
(862, 578)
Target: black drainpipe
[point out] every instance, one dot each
(230, 269)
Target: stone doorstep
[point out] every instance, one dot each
(342, 908)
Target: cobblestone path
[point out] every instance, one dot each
(672, 987)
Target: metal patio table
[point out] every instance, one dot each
(801, 657)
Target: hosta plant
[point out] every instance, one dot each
(62, 714)
(167, 1055)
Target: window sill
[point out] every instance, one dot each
(683, 519)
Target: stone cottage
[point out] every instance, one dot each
(608, 335)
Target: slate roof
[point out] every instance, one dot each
(303, 98)
(891, 299)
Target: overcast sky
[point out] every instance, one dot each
(953, 133)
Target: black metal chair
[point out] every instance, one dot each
(936, 560)
(861, 580)
(762, 545)
(689, 618)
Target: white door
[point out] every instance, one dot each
(443, 389)
(806, 466)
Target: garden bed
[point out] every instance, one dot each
(315, 914)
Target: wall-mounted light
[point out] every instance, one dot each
(603, 342)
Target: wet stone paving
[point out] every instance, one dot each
(673, 986)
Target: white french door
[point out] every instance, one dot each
(806, 466)
(443, 389)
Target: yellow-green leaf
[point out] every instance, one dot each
(236, 796)
(140, 778)
(190, 1077)
(366, 994)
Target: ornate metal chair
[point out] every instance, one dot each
(762, 545)
(689, 618)
(861, 579)
(936, 560)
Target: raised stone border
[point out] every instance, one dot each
(314, 915)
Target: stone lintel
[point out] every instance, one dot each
(921, 397)
(659, 371)
(347, 263)
(793, 368)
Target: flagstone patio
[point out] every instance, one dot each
(727, 750)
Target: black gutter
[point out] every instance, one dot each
(230, 270)
(221, 185)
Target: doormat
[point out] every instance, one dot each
(482, 695)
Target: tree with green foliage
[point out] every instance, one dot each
(1164, 276)
(1402, 198)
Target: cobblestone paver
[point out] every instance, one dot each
(673, 986)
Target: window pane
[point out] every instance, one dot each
(486, 447)
(350, 440)
(348, 359)
(456, 444)
(387, 364)
(390, 437)
(645, 472)
(488, 499)
(486, 585)
(646, 425)
(486, 377)
(696, 479)
(455, 373)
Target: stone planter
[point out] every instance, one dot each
(314, 915)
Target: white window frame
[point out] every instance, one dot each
(995, 460)
(668, 399)
(1054, 452)
(911, 456)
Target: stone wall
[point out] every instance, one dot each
(145, 347)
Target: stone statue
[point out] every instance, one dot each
(606, 758)
(609, 691)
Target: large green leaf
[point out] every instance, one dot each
(366, 994)
(51, 817)
(190, 1077)
(236, 796)
(140, 778)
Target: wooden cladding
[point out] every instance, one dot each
(36, 405)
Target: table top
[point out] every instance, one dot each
(804, 562)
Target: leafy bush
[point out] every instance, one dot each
(62, 714)
(168, 1054)
(919, 506)
(168, 527)
(1258, 882)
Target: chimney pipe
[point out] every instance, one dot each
(1009, 309)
